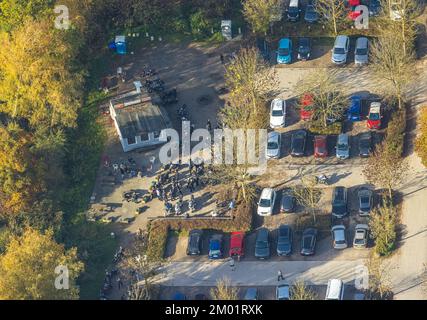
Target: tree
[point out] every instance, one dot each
(390, 63)
(385, 169)
(307, 195)
(259, 13)
(14, 12)
(299, 291)
(329, 102)
(421, 141)
(28, 268)
(224, 290)
(379, 279)
(332, 13)
(383, 228)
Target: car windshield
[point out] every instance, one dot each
(293, 10)
(359, 241)
(310, 10)
(272, 146)
(277, 113)
(374, 116)
(283, 52)
(306, 243)
(364, 200)
(342, 146)
(215, 252)
(362, 52)
(265, 203)
(339, 51)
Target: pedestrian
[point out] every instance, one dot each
(158, 193)
(221, 57)
(232, 265)
(190, 185)
(119, 283)
(164, 198)
(208, 125)
(280, 275)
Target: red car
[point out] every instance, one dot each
(236, 244)
(374, 116)
(320, 146)
(306, 101)
(353, 14)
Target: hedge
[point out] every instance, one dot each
(317, 128)
(158, 229)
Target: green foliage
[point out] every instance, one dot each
(383, 228)
(200, 25)
(13, 12)
(317, 128)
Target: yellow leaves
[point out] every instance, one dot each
(421, 142)
(28, 268)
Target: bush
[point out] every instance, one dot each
(396, 133)
(200, 25)
(317, 128)
(421, 142)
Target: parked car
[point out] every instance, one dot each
(311, 15)
(306, 103)
(339, 202)
(374, 8)
(365, 201)
(266, 202)
(298, 142)
(374, 116)
(320, 146)
(251, 294)
(343, 147)
(361, 53)
(200, 296)
(283, 292)
(287, 204)
(277, 113)
(194, 246)
(262, 244)
(284, 240)
(308, 242)
(237, 244)
(304, 48)
(365, 144)
(179, 296)
(340, 50)
(339, 237)
(353, 13)
(215, 247)
(355, 110)
(274, 142)
(294, 10)
(263, 48)
(335, 290)
(361, 235)
(284, 53)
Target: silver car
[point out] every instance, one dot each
(340, 50)
(361, 52)
(273, 145)
(339, 237)
(365, 202)
(361, 234)
(343, 146)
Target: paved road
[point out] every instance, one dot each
(258, 273)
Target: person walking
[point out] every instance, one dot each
(232, 265)
(209, 125)
(280, 275)
(221, 57)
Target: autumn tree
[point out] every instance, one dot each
(259, 13)
(379, 279)
(14, 12)
(300, 291)
(224, 290)
(329, 102)
(382, 224)
(308, 195)
(28, 268)
(332, 13)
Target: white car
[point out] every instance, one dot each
(277, 113)
(266, 202)
(274, 142)
(361, 235)
(339, 237)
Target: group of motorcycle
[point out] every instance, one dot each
(177, 209)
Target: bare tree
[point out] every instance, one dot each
(299, 291)
(379, 279)
(329, 102)
(332, 13)
(382, 224)
(224, 290)
(308, 195)
(259, 13)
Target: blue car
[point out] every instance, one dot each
(355, 110)
(215, 247)
(284, 53)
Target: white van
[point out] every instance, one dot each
(335, 290)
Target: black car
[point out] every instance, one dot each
(365, 144)
(284, 240)
(298, 142)
(287, 204)
(263, 48)
(308, 242)
(194, 246)
(311, 15)
(304, 48)
(374, 8)
(262, 244)
(294, 10)
(339, 202)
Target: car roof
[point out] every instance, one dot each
(300, 133)
(340, 40)
(364, 191)
(196, 232)
(277, 104)
(362, 226)
(362, 42)
(266, 193)
(283, 291)
(320, 138)
(309, 231)
(304, 40)
(343, 137)
(273, 136)
(262, 231)
(284, 43)
(284, 227)
(251, 293)
(236, 239)
(334, 288)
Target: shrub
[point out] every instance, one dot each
(316, 127)
(383, 228)
(421, 142)
(200, 25)
(396, 133)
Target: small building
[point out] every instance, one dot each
(138, 121)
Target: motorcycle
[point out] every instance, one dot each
(191, 206)
(178, 208)
(322, 179)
